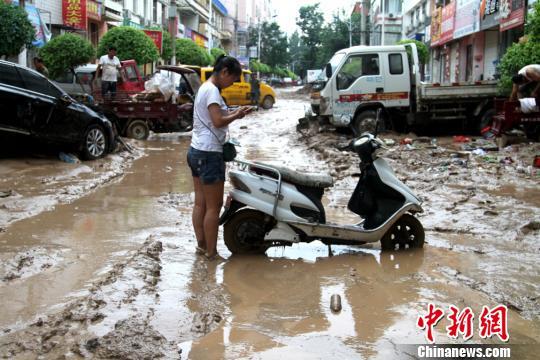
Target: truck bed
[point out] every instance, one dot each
(487, 89)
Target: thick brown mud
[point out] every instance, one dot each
(114, 274)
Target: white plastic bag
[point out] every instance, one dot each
(160, 83)
(528, 105)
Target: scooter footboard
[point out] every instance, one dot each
(350, 233)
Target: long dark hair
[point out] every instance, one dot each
(227, 62)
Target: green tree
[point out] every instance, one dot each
(166, 52)
(310, 21)
(130, 43)
(296, 51)
(522, 53)
(273, 43)
(65, 52)
(334, 37)
(16, 30)
(421, 47)
(216, 52)
(189, 53)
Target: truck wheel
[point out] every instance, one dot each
(407, 232)
(364, 121)
(95, 143)
(268, 102)
(138, 129)
(244, 232)
(486, 119)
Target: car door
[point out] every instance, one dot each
(15, 104)
(359, 80)
(52, 118)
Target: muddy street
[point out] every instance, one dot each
(98, 259)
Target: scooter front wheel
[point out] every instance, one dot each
(407, 232)
(244, 232)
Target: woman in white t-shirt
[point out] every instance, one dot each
(211, 118)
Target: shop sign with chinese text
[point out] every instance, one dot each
(157, 38)
(74, 13)
(93, 10)
(467, 18)
(512, 14)
(489, 14)
(447, 23)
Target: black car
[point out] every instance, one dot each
(32, 105)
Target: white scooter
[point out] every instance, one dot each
(275, 206)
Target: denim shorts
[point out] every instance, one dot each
(206, 165)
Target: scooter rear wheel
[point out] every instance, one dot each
(407, 232)
(244, 232)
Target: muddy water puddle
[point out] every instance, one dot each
(68, 246)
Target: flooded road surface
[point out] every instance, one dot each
(114, 274)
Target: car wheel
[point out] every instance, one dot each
(95, 143)
(268, 102)
(138, 129)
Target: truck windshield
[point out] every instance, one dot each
(335, 60)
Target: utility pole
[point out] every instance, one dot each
(173, 29)
(350, 30)
(382, 26)
(210, 40)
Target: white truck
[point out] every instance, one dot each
(362, 79)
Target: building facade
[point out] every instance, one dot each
(386, 22)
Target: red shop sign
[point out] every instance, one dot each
(512, 14)
(74, 13)
(447, 23)
(157, 38)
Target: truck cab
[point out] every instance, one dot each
(362, 79)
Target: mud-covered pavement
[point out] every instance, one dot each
(107, 269)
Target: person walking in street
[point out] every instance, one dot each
(255, 90)
(211, 118)
(528, 75)
(40, 67)
(108, 70)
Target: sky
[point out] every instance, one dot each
(287, 10)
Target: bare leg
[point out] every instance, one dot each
(515, 90)
(213, 195)
(199, 211)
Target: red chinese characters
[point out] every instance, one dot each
(74, 13)
(491, 322)
(494, 322)
(460, 322)
(430, 320)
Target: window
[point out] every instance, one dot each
(9, 76)
(39, 84)
(396, 64)
(85, 78)
(355, 67)
(131, 74)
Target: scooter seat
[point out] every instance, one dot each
(320, 181)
